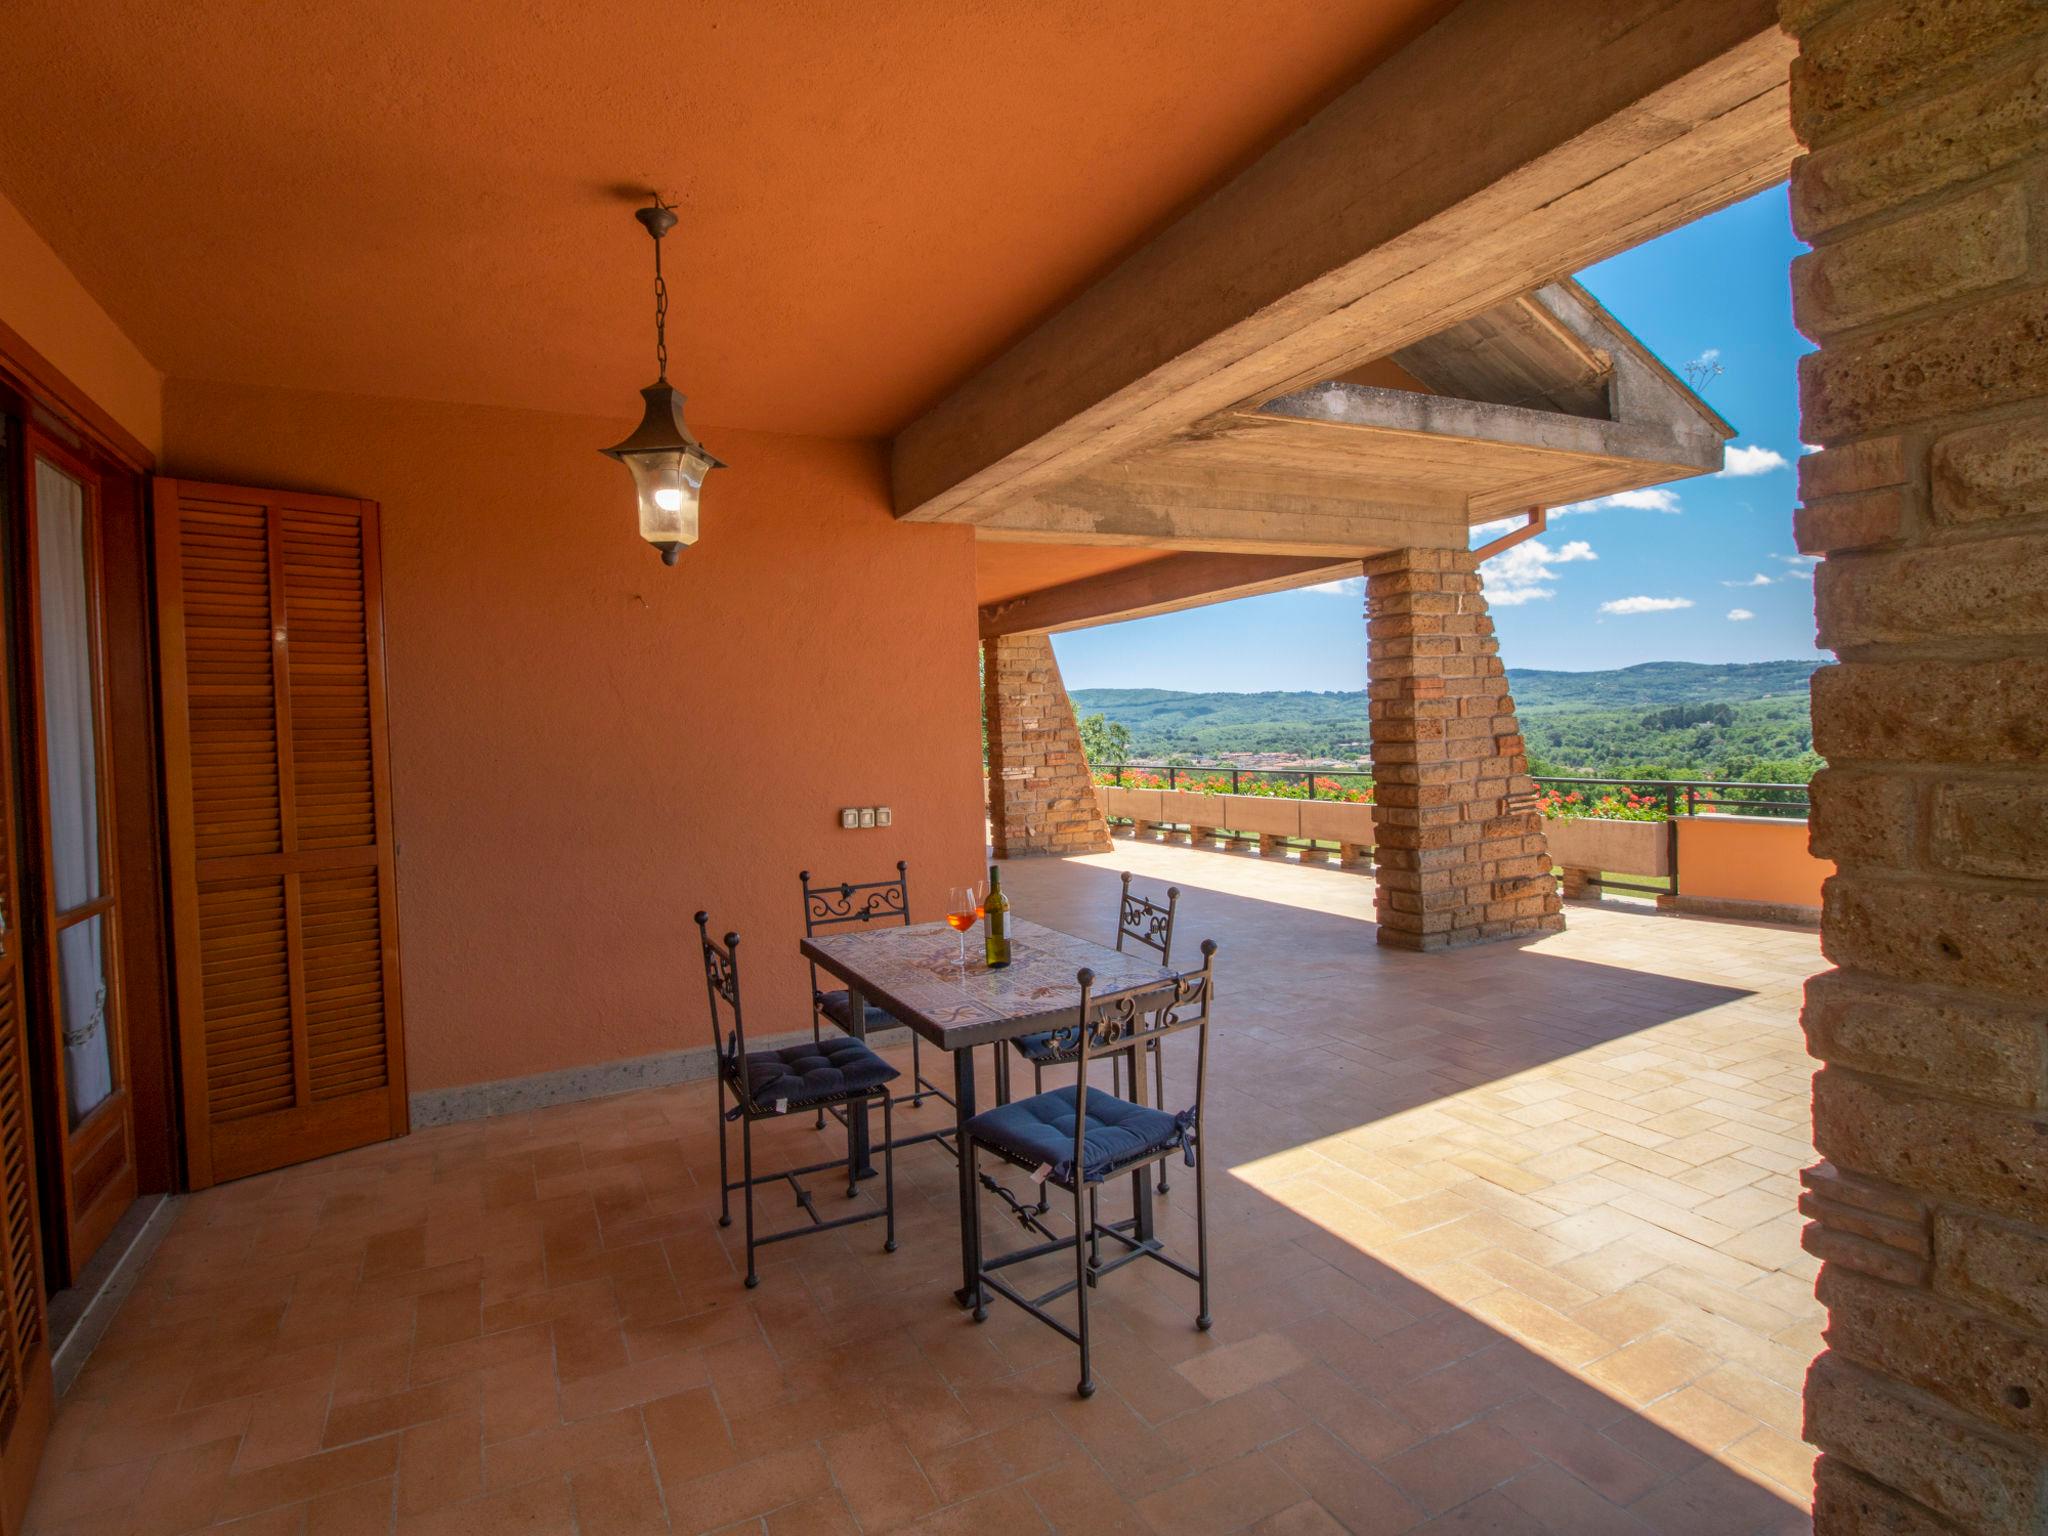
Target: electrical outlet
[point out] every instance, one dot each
(867, 816)
(884, 816)
(849, 818)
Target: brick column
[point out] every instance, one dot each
(1927, 289)
(1461, 851)
(1041, 797)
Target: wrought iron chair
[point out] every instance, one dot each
(1143, 921)
(875, 903)
(1076, 1140)
(764, 1084)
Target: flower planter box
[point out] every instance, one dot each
(1337, 821)
(1185, 806)
(1264, 815)
(1613, 847)
(1270, 818)
(1139, 806)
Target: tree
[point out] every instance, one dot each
(1103, 741)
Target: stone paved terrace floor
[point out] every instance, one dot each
(1504, 1239)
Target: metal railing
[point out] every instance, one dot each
(1687, 797)
(1361, 777)
(1672, 799)
(1786, 801)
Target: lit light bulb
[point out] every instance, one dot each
(669, 499)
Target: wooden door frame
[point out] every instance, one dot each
(38, 397)
(51, 401)
(82, 1230)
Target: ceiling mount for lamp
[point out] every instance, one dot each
(666, 461)
(657, 219)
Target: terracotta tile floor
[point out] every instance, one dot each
(1504, 1242)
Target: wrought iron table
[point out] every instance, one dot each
(916, 974)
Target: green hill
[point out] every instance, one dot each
(1650, 684)
(1670, 719)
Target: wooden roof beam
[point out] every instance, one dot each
(1233, 511)
(1165, 585)
(1394, 212)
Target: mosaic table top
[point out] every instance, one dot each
(916, 974)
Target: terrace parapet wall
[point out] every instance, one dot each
(1278, 823)
(1041, 796)
(1922, 195)
(1461, 848)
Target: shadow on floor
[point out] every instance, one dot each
(1444, 1300)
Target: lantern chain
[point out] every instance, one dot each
(660, 311)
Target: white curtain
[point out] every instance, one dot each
(68, 727)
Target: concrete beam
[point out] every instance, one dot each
(1494, 456)
(1470, 421)
(1165, 585)
(1385, 218)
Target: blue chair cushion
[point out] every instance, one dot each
(1050, 1047)
(810, 1073)
(838, 1007)
(1040, 1129)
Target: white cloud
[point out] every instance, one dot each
(1711, 355)
(1809, 447)
(1653, 498)
(1739, 462)
(1349, 586)
(1522, 573)
(1758, 580)
(1737, 615)
(1802, 566)
(1645, 604)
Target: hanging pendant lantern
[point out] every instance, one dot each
(667, 463)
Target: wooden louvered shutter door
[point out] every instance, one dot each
(277, 776)
(26, 1391)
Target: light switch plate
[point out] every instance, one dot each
(867, 816)
(849, 818)
(884, 816)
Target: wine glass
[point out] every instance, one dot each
(963, 908)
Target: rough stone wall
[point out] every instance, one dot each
(1041, 797)
(1927, 288)
(1462, 856)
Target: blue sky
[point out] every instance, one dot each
(1607, 586)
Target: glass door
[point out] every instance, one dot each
(71, 803)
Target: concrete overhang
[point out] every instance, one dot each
(1543, 400)
(1367, 339)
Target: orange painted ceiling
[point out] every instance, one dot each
(422, 198)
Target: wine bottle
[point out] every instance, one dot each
(995, 922)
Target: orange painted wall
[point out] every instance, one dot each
(1748, 858)
(42, 302)
(587, 747)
